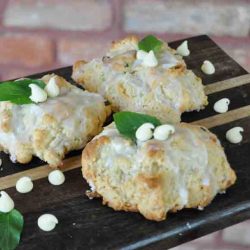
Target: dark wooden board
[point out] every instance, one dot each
(86, 224)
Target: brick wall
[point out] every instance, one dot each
(37, 35)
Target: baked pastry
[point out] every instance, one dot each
(156, 176)
(51, 129)
(165, 91)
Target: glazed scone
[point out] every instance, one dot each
(156, 177)
(164, 91)
(51, 129)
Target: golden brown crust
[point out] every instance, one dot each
(51, 129)
(132, 39)
(142, 179)
(164, 92)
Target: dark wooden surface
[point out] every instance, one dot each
(86, 224)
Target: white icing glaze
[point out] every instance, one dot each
(183, 49)
(206, 181)
(56, 177)
(37, 94)
(208, 68)
(24, 185)
(234, 135)
(183, 193)
(162, 132)
(47, 222)
(25, 119)
(221, 106)
(92, 186)
(190, 155)
(140, 54)
(6, 203)
(52, 88)
(144, 132)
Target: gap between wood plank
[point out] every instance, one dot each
(75, 162)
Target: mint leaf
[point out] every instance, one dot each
(150, 42)
(128, 122)
(11, 226)
(18, 92)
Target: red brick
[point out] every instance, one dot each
(70, 51)
(188, 16)
(60, 14)
(26, 50)
(12, 73)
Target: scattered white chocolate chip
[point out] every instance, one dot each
(221, 106)
(56, 177)
(183, 49)
(24, 185)
(52, 88)
(140, 55)
(37, 93)
(144, 132)
(6, 203)
(207, 67)
(162, 132)
(150, 59)
(47, 222)
(234, 135)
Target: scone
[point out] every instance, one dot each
(165, 91)
(156, 176)
(51, 129)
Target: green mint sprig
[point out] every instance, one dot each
(11, 226)
(150, 42)
(18, 92)
(128, 122)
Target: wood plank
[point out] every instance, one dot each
(75, 162)
(227, 117)
(227, 84)
(88, 224)
(39, 172)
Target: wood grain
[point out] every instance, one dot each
(227, 84)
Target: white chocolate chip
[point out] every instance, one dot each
(56, 177)
(221, 106)
(47, 222)
(24, 185)
(207, 67)
(162, 132)
(150, 60)
(234, 135)
(140, 55)
(6, 203)
(144, 132)
(52, 88)
(183, 49)
(37, 94)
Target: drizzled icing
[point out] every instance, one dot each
(186, 159)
